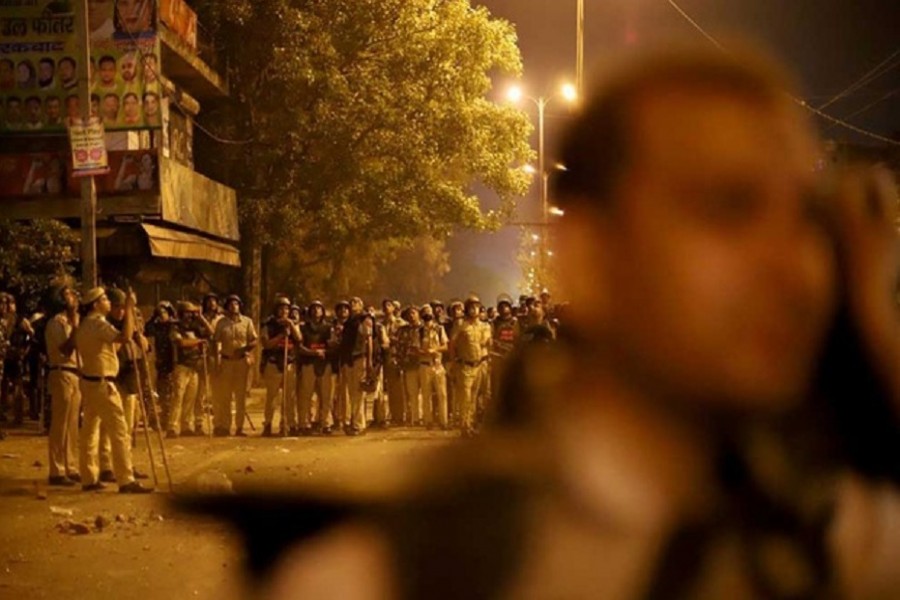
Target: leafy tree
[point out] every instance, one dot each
(34, 256)
(369, 125)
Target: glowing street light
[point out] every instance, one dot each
(570, 94)
(557, 211)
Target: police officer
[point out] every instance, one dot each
(212, 312)
(236, 338)
(316, 374)
(65, 397)
(190, 340)
(341, 394)
(469, 346)
(159, 328)
(279, 338)
(126, 382)
(393, 379)
(409, 343)
(357, 362)
(95, 340)
(19, 337)
(455, 311)
(432, 376)
(506, 332)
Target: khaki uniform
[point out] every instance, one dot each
(409, 340)
(187, 375)
(101, 400)
(470, 343)
(232, 334)
(65, 399)
(432, 376)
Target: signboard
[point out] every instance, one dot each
(180, 18)
(47, 174)
(39, 65)
(88, 148)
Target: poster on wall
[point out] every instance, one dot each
(42, 174)
(88, 147)
(39, 65)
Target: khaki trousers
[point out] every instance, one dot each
(413, 385)
(184, 398)
(65, 405)
(204, 395)
(323, 387)
(468, 378)
(433, 383)
(102, 403)
(273, 380)
(231, 385)
(352, 378)
(129, 404)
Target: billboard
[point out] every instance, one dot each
(181, 19)
(39, 65)
(43, 174)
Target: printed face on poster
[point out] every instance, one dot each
(39, 65)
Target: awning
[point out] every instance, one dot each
(169, 243)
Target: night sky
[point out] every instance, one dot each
(829, 44)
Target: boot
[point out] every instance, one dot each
(267, 430)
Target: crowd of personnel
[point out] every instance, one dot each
(188, 369)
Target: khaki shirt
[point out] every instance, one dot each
(433, 338)
(95, 342)
(58, 330)
(234, 334)
(471, 340)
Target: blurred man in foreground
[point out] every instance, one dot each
(661, 454)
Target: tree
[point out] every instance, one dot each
(368, 125)
(34, 256)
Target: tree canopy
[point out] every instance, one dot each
(368, 123)
(35, 256)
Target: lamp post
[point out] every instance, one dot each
(570, 94)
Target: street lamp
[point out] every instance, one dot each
(569, 93)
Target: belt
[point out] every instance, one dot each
(73, 370)
(98, 379)
(470, 363)
(233, 358)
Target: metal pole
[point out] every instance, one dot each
(579, 51)
(89, 273)
(542, 169)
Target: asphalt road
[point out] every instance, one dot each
(65, 543)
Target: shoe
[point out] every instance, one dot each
(74, 477)
(220, 432)
(93, 487)
(60, 481)
(138, 475)
(187, 433)
(293, 432)
(267, 431)
(353, 431)
(305, 431)
(134, 488)
(171, 434)
(327, 431)
(107, 476)
(239, 433)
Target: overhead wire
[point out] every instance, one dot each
(870, 76)
(816, 111)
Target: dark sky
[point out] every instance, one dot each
(828, 43)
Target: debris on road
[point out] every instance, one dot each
(214, 482)
(249, 469)
(101, 522)
(59, 511)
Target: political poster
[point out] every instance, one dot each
(39, 65)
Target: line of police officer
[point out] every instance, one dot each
(421, 368)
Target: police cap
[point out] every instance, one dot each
(234, 298)
(116, 296)
(90, 296)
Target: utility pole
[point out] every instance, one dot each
(89, 274)
(579, 51)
